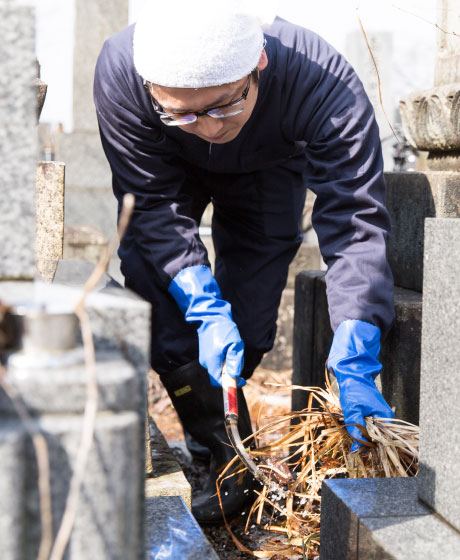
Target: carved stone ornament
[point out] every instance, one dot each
(41, 94)
(431, 118)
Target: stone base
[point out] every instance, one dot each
(167, 478)
(86, 243)
(400, 356)
(381, 519)
(172, 532)
(447, 161)
(412, 197)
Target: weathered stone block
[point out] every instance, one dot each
(400, 354)
(13, 530)
(114, 479)
(108, 522)
(120, 320)
(119, 387)
(431, 118)
(167, 478)
(49, 200)
(17, 141)
(86, 243)
(440, 376)
(412, 197)
(172, 532)
(382, 519)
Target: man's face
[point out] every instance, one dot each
(217, 131)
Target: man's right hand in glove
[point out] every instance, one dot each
(198, 296)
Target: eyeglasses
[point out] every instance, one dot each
(223, 111)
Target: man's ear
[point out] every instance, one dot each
(263, 61)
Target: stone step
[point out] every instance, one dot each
(381, 519)
(172, 532)
(166, 478)
(400, 356)
(412, 197)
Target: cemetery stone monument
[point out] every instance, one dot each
(89, 197)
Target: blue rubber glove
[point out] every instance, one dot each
(354, 360)
(198, 296)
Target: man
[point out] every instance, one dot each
(195, 105)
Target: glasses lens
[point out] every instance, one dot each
(229, 111)
(177, 120)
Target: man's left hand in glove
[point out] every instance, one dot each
(354, 360)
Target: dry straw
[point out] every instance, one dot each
(299, 450)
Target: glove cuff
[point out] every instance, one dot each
(193, 284)
(356, 346)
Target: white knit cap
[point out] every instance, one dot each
(200, 43)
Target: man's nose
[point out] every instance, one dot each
(209, 127)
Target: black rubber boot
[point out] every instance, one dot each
(201, 410)
(198, 452)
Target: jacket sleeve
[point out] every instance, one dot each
(144, 162)
(345, 170)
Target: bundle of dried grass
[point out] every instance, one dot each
(299, 450)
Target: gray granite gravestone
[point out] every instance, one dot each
(17, 141)
(414, 518)
(412, 197)
(440, 375)
(89, 198)
(109, 522)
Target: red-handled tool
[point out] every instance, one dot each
(231, 425)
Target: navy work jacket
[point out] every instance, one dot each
(311, 115)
